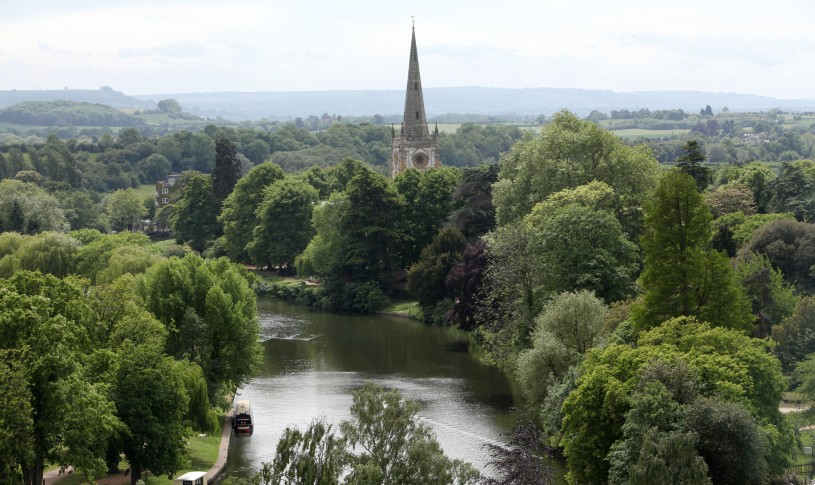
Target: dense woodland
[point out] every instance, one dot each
(652, 313)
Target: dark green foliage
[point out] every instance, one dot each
(770, 297)
(464, 282)
(691, 164)
(151, 401)
(239, 209)
(372, 232)
(195, 219)
(427, 204)
(794, 190)
(795, 335)
(790, 247)
(227, 169)
(730, 441)
(474, 215)
(426, 278)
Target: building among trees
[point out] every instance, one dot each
(415, 147)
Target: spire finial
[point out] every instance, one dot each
(413, 21)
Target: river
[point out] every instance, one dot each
(314, 359)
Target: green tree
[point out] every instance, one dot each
(730, 198)
(94, 256)
(315, 456)
(227, 169)
(370, 227)
(474, 215)
(732, 367)
(566, 329)
(28, 209)
(581, 247)
(150, 400)
(770, 297)
(428, 201)
(195, 218)
(760, 178)
(794, 190)
(284, 223)
(795, 335)
(570, 152)
(426, 278)
(691, 162)
(790, 247)
(239, 209)
(44, 325)
(210, 312)
(16, 417)
(47, 252)
(169, 105)
(125, 210)
(155, 167)
(80, 209)
(682, 276)
(393, 446)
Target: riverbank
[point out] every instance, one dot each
(55, 477)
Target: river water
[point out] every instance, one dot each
(313, 360)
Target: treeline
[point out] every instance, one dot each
(130, 159)
(61, 113)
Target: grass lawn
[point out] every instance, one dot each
(163, 245)
(408, 308)
(147, 190)
(807, 439)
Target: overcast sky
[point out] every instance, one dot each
(170, 46)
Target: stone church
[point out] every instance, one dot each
(415, 147)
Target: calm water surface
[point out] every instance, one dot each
(313, 360)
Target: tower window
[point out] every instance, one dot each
(417, 115)
(415, 86)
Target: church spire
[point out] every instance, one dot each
(414, 122)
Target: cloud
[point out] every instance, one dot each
(178, 49)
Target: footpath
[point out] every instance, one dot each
(54, 476)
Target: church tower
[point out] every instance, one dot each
(415, 147)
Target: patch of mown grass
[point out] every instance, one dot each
(408, 308)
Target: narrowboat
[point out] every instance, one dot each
(243, 422)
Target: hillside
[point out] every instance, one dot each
(104, 95)
(61, 113)
(462, 100)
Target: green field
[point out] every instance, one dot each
(144, 191)
(634, 133)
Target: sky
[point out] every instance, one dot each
(183, 46)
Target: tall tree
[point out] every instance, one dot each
(239, 216)
(682, 276)
(195, 218)
(691, 163)
(427, 276)
(151, 401)
(125, 210)
(227, 169)
(284, 223)
(28, 209)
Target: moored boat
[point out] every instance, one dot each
(243, 422)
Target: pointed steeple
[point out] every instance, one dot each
(414, 123)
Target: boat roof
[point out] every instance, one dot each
(191, 476)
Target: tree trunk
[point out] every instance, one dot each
(135, 474)
(33, 475)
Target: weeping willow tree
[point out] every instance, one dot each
(48, 252)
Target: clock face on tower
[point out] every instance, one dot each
(420, 160)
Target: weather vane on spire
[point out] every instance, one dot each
(413, 21)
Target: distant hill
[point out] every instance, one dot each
(61, 113)
(104, 95)
(240, 106)
(463, 100)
